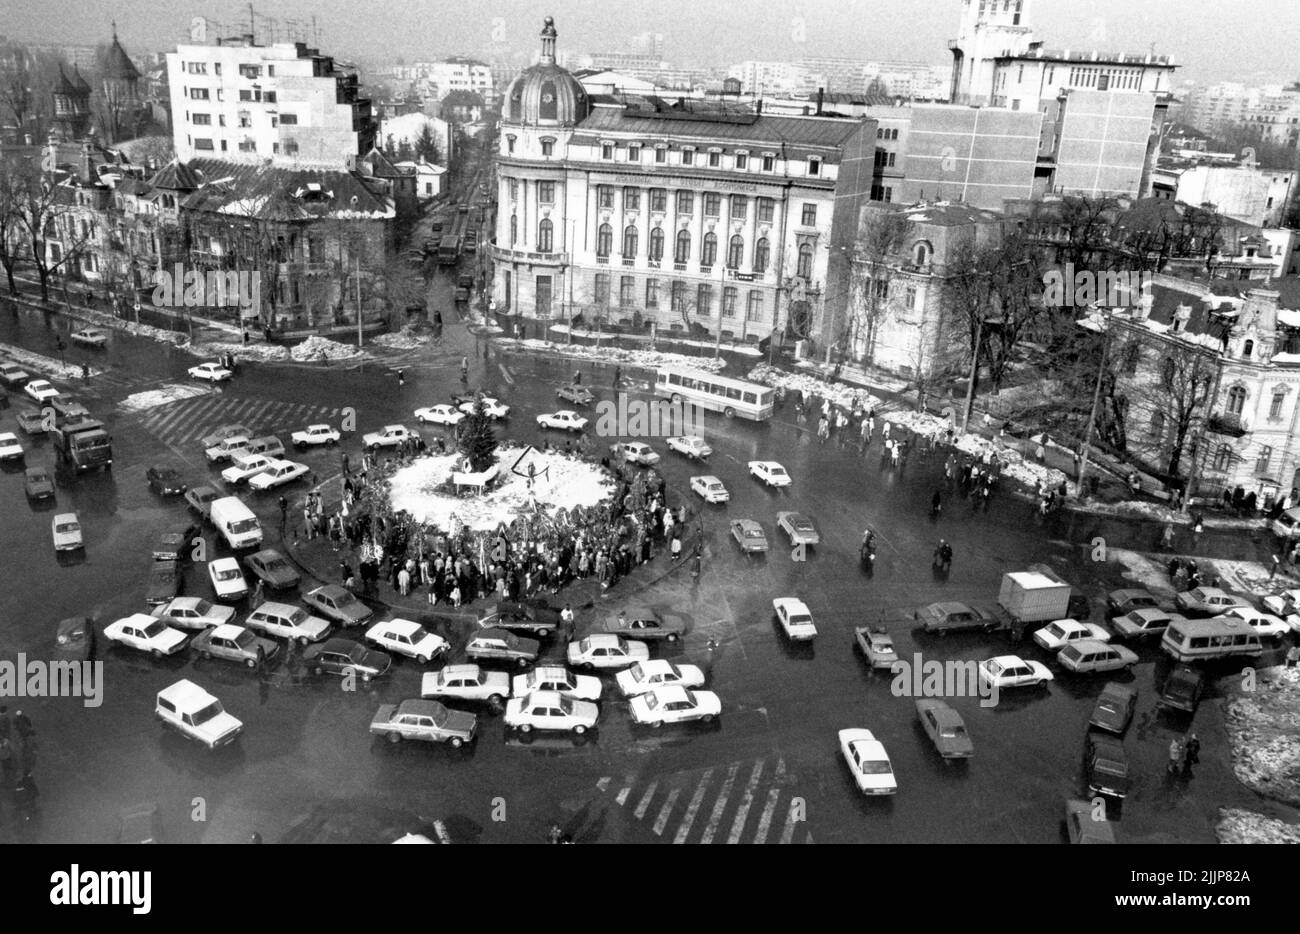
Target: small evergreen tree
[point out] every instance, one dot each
(477, 440)
(425, 145)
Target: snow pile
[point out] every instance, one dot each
(38, 365)
(668, 337)
(651, 359)
(242, 351)
(1262, 726)
(405, 339)
(320, 348)
(1148, 574)
(561, 482)
(1143, 510)
(838, 393)
(1240, 826)
(1014, 464)
(172, 392)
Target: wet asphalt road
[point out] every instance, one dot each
(307, 770)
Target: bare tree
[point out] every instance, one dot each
(43, 213)
(881, 237)
(153, 152)
(14, 175)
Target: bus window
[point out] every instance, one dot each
(1199, 642)
(733, 392)
(675, 379)
(749, 397)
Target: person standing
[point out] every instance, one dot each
(1293, 656)
(7, 766)
(676, 548)
(257, 593)
(1273, 570)
(1175, 756)
(1191, 752)
(566, 620)
(697, 565)
(26, 732)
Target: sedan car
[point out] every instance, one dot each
(955, 617)
(1105, 765)
(529, 615)
(163, 584)
(31, 422)
(1266, 625)
(945, 728)
(347, 658)
(645, 625)
(749, 535)
(1114, 709)
(657, 672)
(227, 579)
(193, 613)
(798, 527)
(467, 683)
(244, 467)
(795, 619)
(10, 449)
(1088, 656)
(74, 638)
(174, 542)
(564, 419)
(287, 622)
(1126, 600)
(575, 393)
(1283, 604)
(272, 569)
(673, 703)
(547, 710)
(408, 638)
(40, 390)
(692, 446)
(212, 372)
(224, 432)
(606, 652)
(868, 762)
(634, 452)
(200, 499)
(556, 678)
(314, 435)
(770, 472)
(425, 720)
(496, 644)
(278, 473)
(37, 483)
(1062, 632)
(12, 375)
(390, 436)
(876, 646)
(1183, 688)
(1083, 825)
(492, 408)
(336, 602)
(1207, 601)
(710, 489)
(66, 529)
(439, 415)
(89, 337)
(232, 643)
(143, 633)
(165, 481)
(1140, 623)
(1012, 671)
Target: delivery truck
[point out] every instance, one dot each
(83, 445)
(1028, 597)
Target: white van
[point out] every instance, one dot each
(186, 707)
(236, 522)
(1190, 640)
(1287, 525)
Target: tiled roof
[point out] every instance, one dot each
(176, 176)
(736, 128)
(288, 194)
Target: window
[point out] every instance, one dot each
(626, 292)
(197, 68)
(814, 167)
(804, 269)
(510, 144)
(739, 207)
(1236, 400)
(1261, 462)
(268, 97)
(544, 235)
(712, 204)
(678, 296)
(735, 251)
(514, 189)
(683, 252)
(661, 154)
(289, 119)
(605, 196)
(685, 202)
(1222, 457)
(766, 210)
(548, 147)
(514, 229)
(920, 253)
(715, 159)
(658, 199)
(602, 291)
(1275, 407)
(688, 157)
(809, 218)
(729, 302)
(652, 293)
(203, 144)
(762, 252)
(656, 244)
(755, 310)
(769, 162)
(246, 95)
(1247, 349)
(704, 300)
(631, 199)
(629, 241)
(542, 295)
(247, 145)
(604, 240)
(709, 250)
(546, 192)
(742, 160)
(198, 94)
(607, 151)
(250, 71)
(202, 119)
(245, 119)
(633, 152)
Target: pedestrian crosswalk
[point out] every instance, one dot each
(185, 422)
(743, 802)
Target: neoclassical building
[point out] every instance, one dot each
(648, 213)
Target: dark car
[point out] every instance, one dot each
(164, 583)
(200, 500)
(465, 282)
(945, 728)
(31, 422)
(644, 626)
(75, 638)
(165, 481)
(495, 644)
(273, 569)
(339, 604)
(1121, 602)
(955, 617)
(233, 643)
(1183, 689)
(1105, 765)
(175, 542)
(1114, 708)
(37, 484)
(344, 657)
(529, 615)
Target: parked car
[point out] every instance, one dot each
(142, 632)
(692, 446)
(795, 619)
(1083, 826)
(1011, 671)
(272, 569)
(1208, 601)
(228, 581)
(868, 762)
(38, 484)
(66, 531)
(875, 646)
(466, 683)
(556, 678)
(10, 450)
(673, 703)
(1126, 600)
(226, 449)
(605, 651)
(344, 657)
(407, 638)
(193, 613)
(1183, 688)
(74, 638)
(287, 622)
(1105, 765)
(244, 467)
(1062, 632)
(634, 452)
(31, 422)
(657, 672)
(575, 393)
(547, 710)
(493, 408)
(749, 535)
(224, 432)
(278, 473)
(339, 604)
(770, 473)
(315, 435)
(212, 372)
(643, 624)
(232, 643)
(165, 481)
(528, 615)
(945, 728)
(268, 445)
(1144, 622)
(798, 528)
(955, 617)
(200, 499)
(196, 714)
(565, 420)
(13, 376)
(425, 720)
(164, 582)
(1088, 656)
(390, 436)
(439, 415)
(1114, 708)
(1266, 625)
(495, 644)
(1282, 604)
(175, 541)
(89, 337)
(40, 390)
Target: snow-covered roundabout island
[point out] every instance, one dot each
(424, 489)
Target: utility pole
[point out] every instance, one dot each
(974, 372)
(358, 260)
(1092, 414)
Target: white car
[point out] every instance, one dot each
(1012, 671)
(558, 679)
(466, 682)
(690, 445)
(872, 771)
(407, 638)
(1056, 635)
(227, 579)
(278, 473)
(565, 419)
(193, 613)
(40, 390)
(10, 449)
(547, 710)
(212, 372)
(287, 622)
(244, 467)
(795, 619)
(142, 632)
(710, 488)
(634, 452)
(91, 337)
(390, 437)
(196, 714)
(315, 435)
(655, 673)
(1266, 625)
(227, 449)
(1282, 604)
(606, 651)
(770, 472)
(67, 532)
(439, 415)
(674, 704)
(493, 408)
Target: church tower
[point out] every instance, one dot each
(119, 86)
(989, 28)
(71, 107)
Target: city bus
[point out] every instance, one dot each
(731, 397)
(1190, 640)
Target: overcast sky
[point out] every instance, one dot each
(1248, 40)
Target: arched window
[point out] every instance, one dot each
(683, 246)
(1279, 401)
(1236, 399)
(544, 230)
(657, 244)
(629, 241)
(1248, 349)
(920, 253)
(604, 239)
(735, 252)
(762, 252)
(804, 270)
(1222, 458)
(709, 250)
(514, 229)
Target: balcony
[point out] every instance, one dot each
(1226, 423)
(505, 255)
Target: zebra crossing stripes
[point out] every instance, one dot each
(186, 421)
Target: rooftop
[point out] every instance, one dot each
(653, 117)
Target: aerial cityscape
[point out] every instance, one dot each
(576, 434)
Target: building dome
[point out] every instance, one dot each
(545, 94)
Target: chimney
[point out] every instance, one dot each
(821, 97)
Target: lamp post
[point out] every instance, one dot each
(1092, 414)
